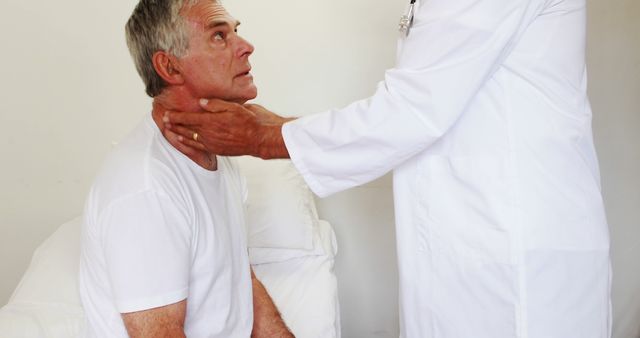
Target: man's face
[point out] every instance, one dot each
(217, 61)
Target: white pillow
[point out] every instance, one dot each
(281, 211)
(52, 276)
(46, 303)
(305, 289)
(324, 244)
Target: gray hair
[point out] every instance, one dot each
(156, 25)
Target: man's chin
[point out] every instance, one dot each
(240, 98)
(248, 97)
(254, 93)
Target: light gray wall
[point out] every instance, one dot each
(614, 69)
(69, 90)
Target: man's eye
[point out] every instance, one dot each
(218, 36)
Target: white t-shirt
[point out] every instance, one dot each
(159, 229)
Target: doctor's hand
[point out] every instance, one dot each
(193, 150)
(230, 129)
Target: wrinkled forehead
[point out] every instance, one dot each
(205, 14)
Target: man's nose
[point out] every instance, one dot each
(244, 48)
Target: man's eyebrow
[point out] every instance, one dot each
(218, 23)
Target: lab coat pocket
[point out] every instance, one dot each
(463, 207)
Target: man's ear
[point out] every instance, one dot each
(167, 67)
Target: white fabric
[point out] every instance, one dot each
(305, 288)
(275, 255)
(41, 320)
(159, 229)
(46, 302)
(324, 243)
(52, 276)
(281, 212)
(486, 123)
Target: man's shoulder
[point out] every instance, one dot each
(138, 163)
(125, 166)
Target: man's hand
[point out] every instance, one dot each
(165, 321)
(229, 129)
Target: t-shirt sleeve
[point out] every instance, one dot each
(147, 248)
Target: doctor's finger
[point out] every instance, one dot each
(186, 119)
(201, 157)
(185, 146)
(188, 137)
(219, 106)
(193, 144)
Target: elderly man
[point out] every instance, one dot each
(164, 250)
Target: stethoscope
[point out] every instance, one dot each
(406, 21)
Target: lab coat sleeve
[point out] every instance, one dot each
(454, 47)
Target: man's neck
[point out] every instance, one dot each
(178, 100)
(175, 100)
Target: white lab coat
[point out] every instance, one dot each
(486, 123)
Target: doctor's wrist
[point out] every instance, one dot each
(270, 143)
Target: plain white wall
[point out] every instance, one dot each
(69, 90)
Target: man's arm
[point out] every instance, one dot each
(165, 321)
(267, 321)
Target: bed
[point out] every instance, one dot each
(291, 250)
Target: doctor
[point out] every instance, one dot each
(486, 124)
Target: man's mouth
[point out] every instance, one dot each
(245, 73)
